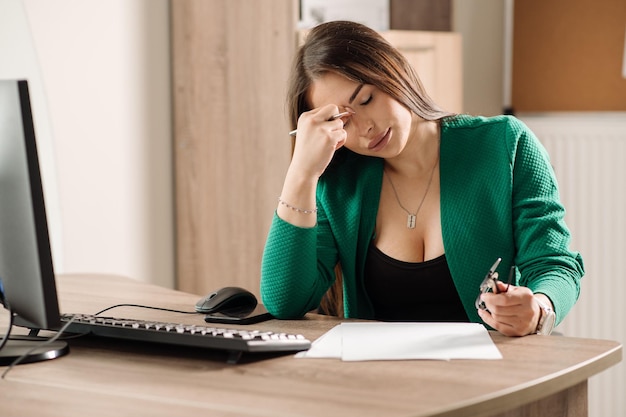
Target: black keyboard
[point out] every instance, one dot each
(236, 341)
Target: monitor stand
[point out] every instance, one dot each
(41, 350)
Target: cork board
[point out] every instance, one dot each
(568, 55)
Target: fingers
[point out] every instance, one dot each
(513, 312)
(501, 287)
(341, 140)
(330, 112)
(503, 327)
(329, 118)
(318, 137)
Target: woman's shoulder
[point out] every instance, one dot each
(483, 131)
(470, 122)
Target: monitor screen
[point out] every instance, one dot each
(26, 271)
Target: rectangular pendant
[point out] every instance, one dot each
(410, 221)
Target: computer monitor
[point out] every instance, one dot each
(27, 278)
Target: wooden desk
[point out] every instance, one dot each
(101, 377)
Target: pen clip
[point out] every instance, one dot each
(494, 266)
(492, 277)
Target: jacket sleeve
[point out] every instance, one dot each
(544, 259)
(297, 267)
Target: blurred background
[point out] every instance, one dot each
(161, 125)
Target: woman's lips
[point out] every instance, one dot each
(380, 142)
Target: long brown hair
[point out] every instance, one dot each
(362, 55)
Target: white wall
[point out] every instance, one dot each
(105, 77)
(19, 61)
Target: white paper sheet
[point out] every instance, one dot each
(366, 341)
(327, 345)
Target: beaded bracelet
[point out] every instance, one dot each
(299, 210)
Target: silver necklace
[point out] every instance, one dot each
(411, 217)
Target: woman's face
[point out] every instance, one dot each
(380, 125)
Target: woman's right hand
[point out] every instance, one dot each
(317, 140)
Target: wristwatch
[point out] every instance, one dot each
(546, 320)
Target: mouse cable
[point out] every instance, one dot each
(7, 336)
(39, 345)
(144, 306)
(66, 325)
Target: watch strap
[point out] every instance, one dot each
(546, 319)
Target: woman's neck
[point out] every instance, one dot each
(420, 153)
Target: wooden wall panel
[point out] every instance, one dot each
(231, 60)
(438, 59)
(568, 54)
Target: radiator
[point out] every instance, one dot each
(588, 152)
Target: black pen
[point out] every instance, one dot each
(333, 117)
(510, 278)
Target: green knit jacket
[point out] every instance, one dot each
(499, 198)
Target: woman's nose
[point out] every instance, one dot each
(364, 125)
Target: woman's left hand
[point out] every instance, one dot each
(512, 312)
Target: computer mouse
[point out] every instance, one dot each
(228, 301)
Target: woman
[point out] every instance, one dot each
(414, 204)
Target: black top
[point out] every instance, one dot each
(411, 291)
